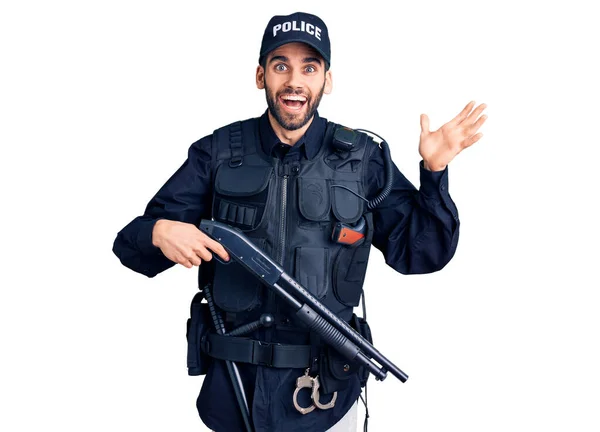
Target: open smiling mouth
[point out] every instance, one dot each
(293, 102)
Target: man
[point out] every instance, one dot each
(287, 179)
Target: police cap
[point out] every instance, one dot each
(297, 27)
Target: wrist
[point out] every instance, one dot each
(433, 167)
(157, 232)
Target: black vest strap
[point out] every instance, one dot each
(240, 349)
(236, 145)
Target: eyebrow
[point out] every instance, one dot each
(312, 60)
(304, 60)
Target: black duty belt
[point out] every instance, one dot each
(240, 349)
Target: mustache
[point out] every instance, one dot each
(289, 91)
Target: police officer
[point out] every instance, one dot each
(287, 179)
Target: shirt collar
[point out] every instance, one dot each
(311, 140)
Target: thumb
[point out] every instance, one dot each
(424, 123)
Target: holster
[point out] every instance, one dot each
(362, 327)
(198, 326)
(335, 371)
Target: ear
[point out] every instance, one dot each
(328, 82)
(260, 77)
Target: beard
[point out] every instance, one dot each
(292, 121)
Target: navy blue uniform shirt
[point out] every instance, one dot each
(416, 230)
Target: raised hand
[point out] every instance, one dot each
(438, 148)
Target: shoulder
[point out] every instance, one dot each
(237, 125)
(224, 134)
(351, 136)
(235, 130)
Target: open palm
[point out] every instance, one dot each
(438, 148)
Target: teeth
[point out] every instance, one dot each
(294, 97)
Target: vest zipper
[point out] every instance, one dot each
(282, 225)
(280, 252)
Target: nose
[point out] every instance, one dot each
(295, 79)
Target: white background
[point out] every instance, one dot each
(99, 103)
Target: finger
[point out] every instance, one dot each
(195, 259)
(471, 118)
(201, 252)
(475, 126)
(463, 114)
(187, 259)
(424, 123)
(217, 248)
(186, 263)
(472, 140)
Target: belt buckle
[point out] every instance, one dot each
(262, 354)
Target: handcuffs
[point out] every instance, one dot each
(306, 381)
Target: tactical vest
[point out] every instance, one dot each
(288, 210)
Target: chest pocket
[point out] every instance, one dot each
(241, 195)
(317, 198)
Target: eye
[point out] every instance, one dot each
(311, 69)
(280, 67)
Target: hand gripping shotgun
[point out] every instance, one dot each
(334, 331)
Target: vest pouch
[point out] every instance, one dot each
(350, 268)
(198, 326)
(311, 269)
(235, 289)
(334, 372)
(346, 206)
(314, 203)
(241, 195)
(362, 327)
(349, 271)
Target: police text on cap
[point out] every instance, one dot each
(287, 26)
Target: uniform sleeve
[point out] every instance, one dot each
(185, 197)
(416, 230)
